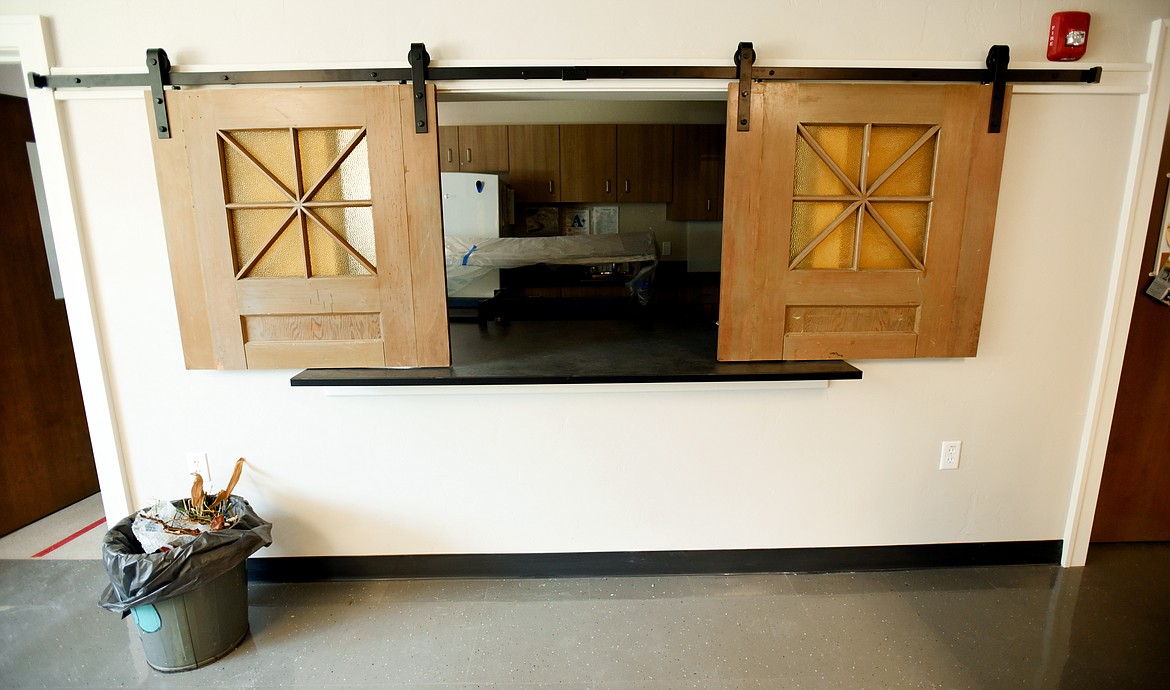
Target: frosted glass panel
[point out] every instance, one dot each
(251, 228)
(245, 182)
(878, 251)
(272, 148)
(351, 180)
(809, 219)
(356, 225)
(319, 148)
(909, 221)
(845, 146)
(813, 176)
(285, 258)
(915, 176)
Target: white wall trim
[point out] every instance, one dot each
(1149, 132)
(24, 37)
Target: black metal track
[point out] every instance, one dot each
(403, 74)
(564, 73)
(159, 76)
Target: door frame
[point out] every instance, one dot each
(23, 41)
(1145, 154)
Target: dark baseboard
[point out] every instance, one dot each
(617, 563)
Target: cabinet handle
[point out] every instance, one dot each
(550, 186)
(450, 155)
(627, 186)
(469, 154)
(607, 186)
(708, 204)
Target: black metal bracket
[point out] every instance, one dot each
(745, 57)
(158, 70)
(419, 59)
(997, 63)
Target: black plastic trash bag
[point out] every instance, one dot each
(138, 578)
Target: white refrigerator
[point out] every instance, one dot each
(474, 205)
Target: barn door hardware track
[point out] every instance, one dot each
(744, 71)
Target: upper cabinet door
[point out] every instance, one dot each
(589, 163)
(449, 149)
(644, 158)
(857, 221)
(697, 192)
(304, 227)
(534, 162)
(483, 148)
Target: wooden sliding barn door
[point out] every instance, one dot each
(857, 222)
(314, 237)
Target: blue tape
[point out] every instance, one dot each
(468, 254)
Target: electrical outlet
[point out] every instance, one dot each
(197, 464)
(666, 247)
(950, 455)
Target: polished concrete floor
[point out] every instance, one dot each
(1103, 626)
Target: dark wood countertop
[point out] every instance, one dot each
(581, 351)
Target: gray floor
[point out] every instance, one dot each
(1103, 626)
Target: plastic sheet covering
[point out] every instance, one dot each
(138, 578)
(468, 258)
(582, 250)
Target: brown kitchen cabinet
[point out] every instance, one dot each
(473, 148)
(588, 163)
(645, 155)
(699, 152)
(534, 160)
(616, 163)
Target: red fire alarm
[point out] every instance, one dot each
(1069, 36)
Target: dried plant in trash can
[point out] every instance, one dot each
(211, 514)
(169, 524)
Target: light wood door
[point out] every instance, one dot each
(534, 162)
(589, 163)
(46, 461)
(645, 155)
(317, 227)
(857, 222)
(697, 192)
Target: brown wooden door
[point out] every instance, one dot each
(483, 148)
(1134, 500)
(588, 163)
(46, 461)
(317, 227)
(534, 162)
(645, 154)
(857, 222)
(697, 193)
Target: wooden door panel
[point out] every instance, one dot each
(857, 195)
(289, 188)
(1135, 481)
(46, 460)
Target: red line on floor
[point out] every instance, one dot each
(68, 539)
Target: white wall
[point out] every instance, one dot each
(566, 470)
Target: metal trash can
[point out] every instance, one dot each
(196, 628)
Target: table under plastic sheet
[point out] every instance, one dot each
(469, 258)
